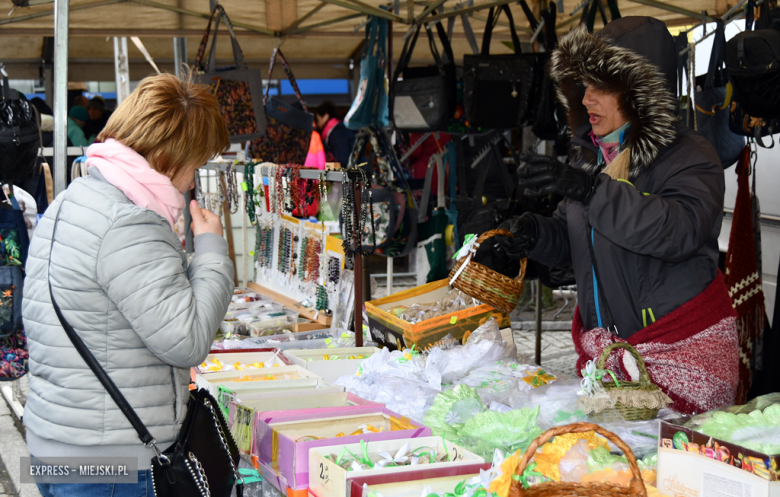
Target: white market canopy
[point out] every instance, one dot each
(319, 37)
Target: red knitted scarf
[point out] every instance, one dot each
(742, 278)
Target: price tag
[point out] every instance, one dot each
(244, 186)
(453, 319)
(324, 476)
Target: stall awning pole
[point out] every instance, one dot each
(121, 69)
(61, 9)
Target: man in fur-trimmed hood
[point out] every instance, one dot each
(641, 216)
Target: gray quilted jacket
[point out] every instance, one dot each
(121, 278)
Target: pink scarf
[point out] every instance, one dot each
(332, 122)
(127, 170)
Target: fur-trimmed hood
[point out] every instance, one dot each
(632, 56)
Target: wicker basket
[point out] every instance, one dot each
(644, 386)
(593, 489)
(488, 286)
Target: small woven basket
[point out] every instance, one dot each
(636, 488)
(637, 389)
(488, 286)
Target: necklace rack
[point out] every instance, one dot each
(232, 190)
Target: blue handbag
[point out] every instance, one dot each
(370, 107)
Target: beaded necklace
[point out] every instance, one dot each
(232, 190)
(249, 191)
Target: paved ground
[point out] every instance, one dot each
(13, 448)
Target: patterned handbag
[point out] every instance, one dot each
(288, 130)
(237, 88)
(13, 254)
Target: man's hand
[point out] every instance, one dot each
(204, 221)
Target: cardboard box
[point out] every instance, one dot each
(288, 376)
(330, 480)
(283, 442)
(330, 370)
(270, 357)
(394, 332)
(692, 464)
(276, 406)
(441, 480)
(277, 391)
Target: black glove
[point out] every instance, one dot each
(541, 176)
(503, 253)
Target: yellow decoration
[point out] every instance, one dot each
(548, 457)
(541, 377)
(357, 432)
(408, 356)
(340, 434)
(500, 486)
(238, 366)
(373, 429)
(326, 357)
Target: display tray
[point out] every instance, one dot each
(395, 333)
(440, 480)
(330, 480)
(271, 357)
(277, 406)
(330, 370)
(283, 442)
(286, 376)
(282, 391)
(692, 464)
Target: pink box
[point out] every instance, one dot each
(279, 440)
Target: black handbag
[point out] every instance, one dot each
(238, 90)
(19, 137)
(753, 59)
(202, 461)
(484, 205)
(424, 100)
(712, 105)
(498, 88)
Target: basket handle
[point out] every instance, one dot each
(490, 234)
(636, 485)
(644, 376)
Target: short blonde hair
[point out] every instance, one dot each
(173, 124)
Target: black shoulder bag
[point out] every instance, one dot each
(203, 459)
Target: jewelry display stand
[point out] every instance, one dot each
(278, 294)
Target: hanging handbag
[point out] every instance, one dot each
(550, 122)
(741, 123)
(481, 209)
(458, 122)
(423, 100)
(237, 89)
(753, 59)
(713, 103)
(370, 107)
(203, 459)
(288, 130)
(431, 254)
(19, 137)
(497, 87)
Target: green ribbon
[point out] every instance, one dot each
(249, 475)
(466, 247)
(530, 471)
(591, 375)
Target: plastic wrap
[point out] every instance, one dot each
(406, 397)
(453, 301)
(501, 381)
(557, 403)
(484, 347)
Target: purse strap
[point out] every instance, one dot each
(467, 30)
(278, 53)
(143, 433)
(238, 55)
(489, 29)
(717, 57)
(437, 161)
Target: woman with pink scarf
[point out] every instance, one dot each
(118, 272)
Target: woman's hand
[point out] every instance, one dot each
(204, 221)
(541, 176)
